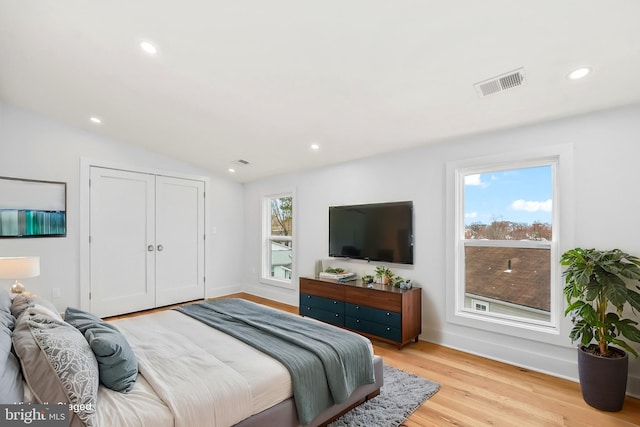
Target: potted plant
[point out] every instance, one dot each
(401, 282)
(367, 278)
(597, 291)
(384, 275)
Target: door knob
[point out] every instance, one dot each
(160, 248)
(150, 248)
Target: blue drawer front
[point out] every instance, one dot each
(373, 328)
(321, 303)
(335, 318)
(387, 318)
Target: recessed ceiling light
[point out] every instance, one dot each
(579, 73)
(95, 120)
(231, 170)
(315, 147)
(148, 47)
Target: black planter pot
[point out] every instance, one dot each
(603, 380)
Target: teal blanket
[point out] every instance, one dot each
(326, 363)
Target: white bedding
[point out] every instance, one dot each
(140, 407)
(200, 375)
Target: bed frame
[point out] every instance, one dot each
(284, 413)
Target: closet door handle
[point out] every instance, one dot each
(160, 248)
(150, 248)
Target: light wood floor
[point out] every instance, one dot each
(480, 392)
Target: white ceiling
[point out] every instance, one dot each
(262, 80)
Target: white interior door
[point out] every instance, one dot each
(122, 245)
(179, 240)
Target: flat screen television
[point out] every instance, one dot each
(373, 232)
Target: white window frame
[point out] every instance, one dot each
(561, 160)
(267, 239)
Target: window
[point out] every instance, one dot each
(479, 305)
(278, 243)
(506, 243)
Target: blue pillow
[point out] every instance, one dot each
(117, 363)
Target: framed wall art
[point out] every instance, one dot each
(32, 208)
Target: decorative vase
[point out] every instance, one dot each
(603, 380)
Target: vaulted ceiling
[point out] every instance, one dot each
(262, 81)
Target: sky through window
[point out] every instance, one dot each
(521, 195)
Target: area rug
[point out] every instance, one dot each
(400, 395)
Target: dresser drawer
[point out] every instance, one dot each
(377, 329)
(322, 289)
(387, 318)
(321, 303)
(385, 300)
(335, 318)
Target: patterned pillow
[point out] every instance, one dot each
(58, 364)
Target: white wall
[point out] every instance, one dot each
(604, 214)
(35, 147)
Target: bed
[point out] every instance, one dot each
(172, 368)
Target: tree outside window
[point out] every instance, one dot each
(279, 241)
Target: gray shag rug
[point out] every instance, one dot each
(401, 394)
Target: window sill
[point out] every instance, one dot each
(287, 284)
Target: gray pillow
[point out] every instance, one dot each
(11, 390)
(5, 301)
(21, 302)
(58, 364)
(6, 318)
(117, 363)
(19, 305)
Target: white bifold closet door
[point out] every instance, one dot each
(146, 241)
(179, 240)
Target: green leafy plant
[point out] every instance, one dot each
(384, 274)
(334, 270)
(367, 278)
(398, 281)
(596, 280)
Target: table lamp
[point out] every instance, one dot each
(19, 268)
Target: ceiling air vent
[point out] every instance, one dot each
(500, 83)
(243, 162)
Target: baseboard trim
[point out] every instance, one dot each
(563, 363)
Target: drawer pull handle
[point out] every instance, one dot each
(337, 315)
(357, 307)
(388, 329)
(308, 308)
(308, 296)
(388, 314)
(335, 302)
(358, 321)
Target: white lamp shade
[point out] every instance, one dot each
(19, 267)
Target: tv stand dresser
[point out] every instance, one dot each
(382, 312)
